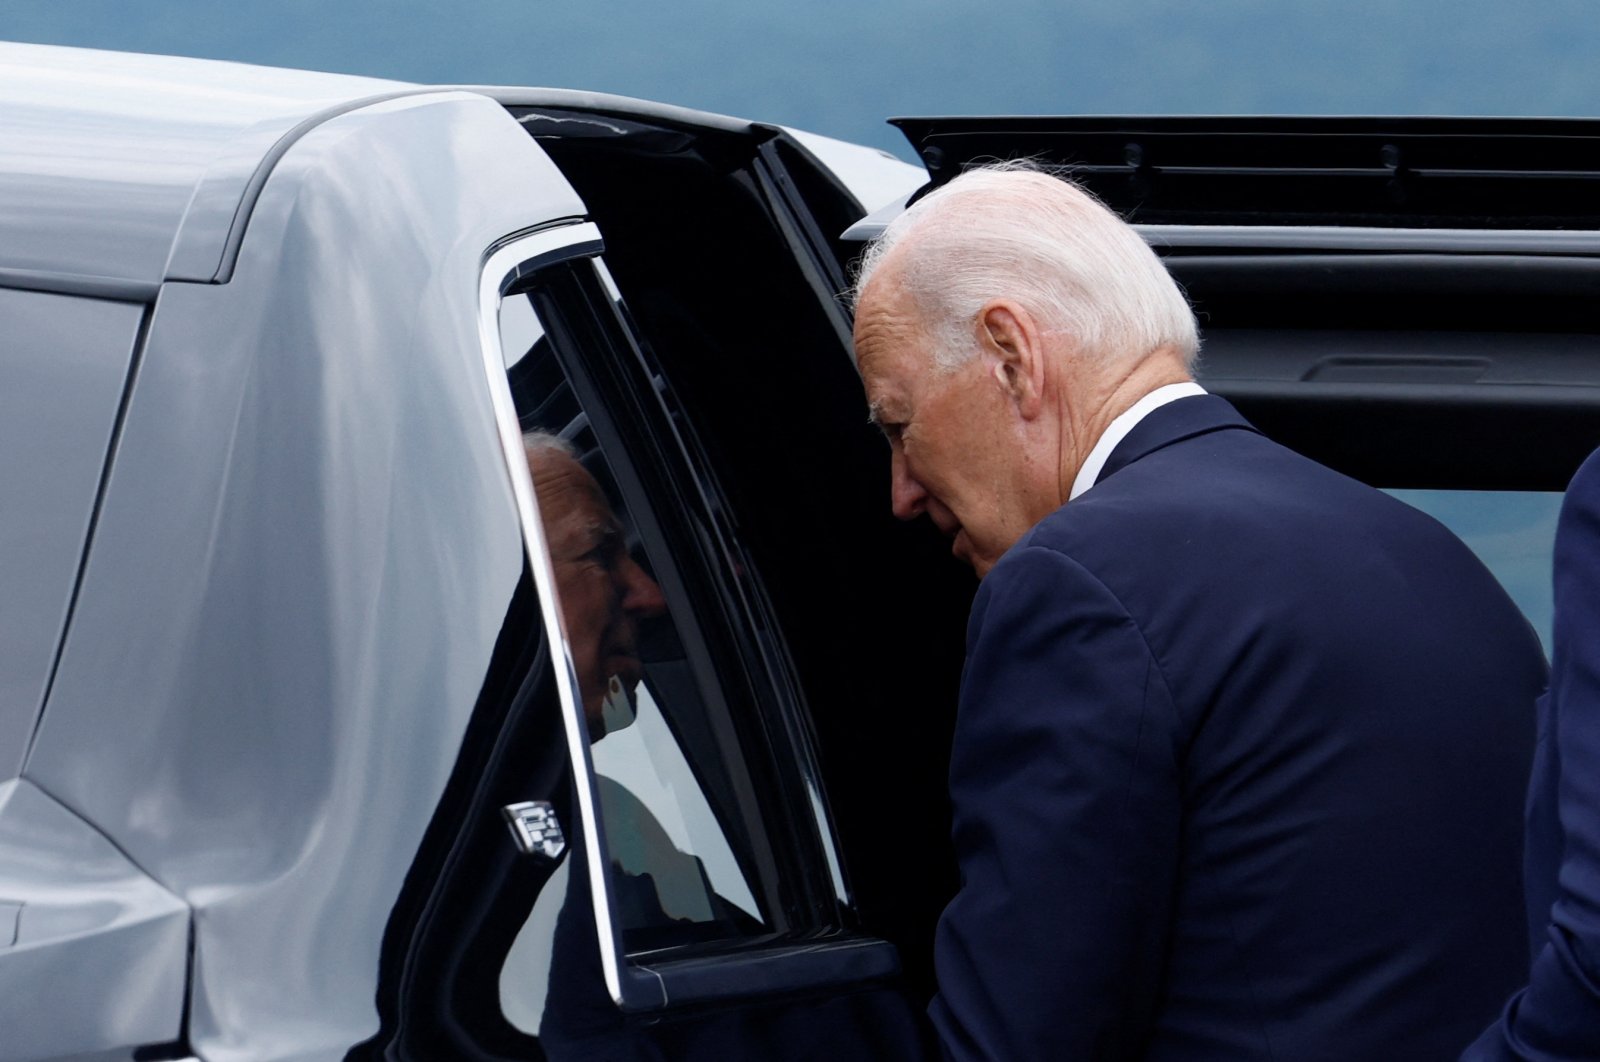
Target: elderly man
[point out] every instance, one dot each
(1241, 746)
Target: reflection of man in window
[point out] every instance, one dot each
(604, 594)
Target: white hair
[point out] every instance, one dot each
(538, 441)
(1014, 230)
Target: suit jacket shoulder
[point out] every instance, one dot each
(1344, 722)
(1558, 1014)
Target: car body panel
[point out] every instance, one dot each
(266, 585)
(60, 389)
(86, 925)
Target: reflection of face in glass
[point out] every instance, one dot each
(603, 591)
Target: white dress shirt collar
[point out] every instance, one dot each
(1118, 430)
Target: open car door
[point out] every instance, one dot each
(635, 857)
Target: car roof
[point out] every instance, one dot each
(120, 171)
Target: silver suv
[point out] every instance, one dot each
(449, 606)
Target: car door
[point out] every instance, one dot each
(634, 857)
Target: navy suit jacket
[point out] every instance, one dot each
(1558, 1015)
(1238, 770)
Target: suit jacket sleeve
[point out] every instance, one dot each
(1558, 1015)
(1066, 815)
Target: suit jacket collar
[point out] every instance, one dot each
(1174, 422)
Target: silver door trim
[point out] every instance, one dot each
(508, 262)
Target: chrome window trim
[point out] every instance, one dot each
(507, 262)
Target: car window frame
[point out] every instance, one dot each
(745, 968)
(506, 263)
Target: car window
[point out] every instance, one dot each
(653, 807)
(696, 829)
(1512, 532)
(674, 873)
(635, 824)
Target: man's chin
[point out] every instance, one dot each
(961, 549)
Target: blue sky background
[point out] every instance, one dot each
(841, 66)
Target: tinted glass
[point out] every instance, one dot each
(691, 858)
(624, 707)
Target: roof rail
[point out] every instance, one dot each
(1419, 173)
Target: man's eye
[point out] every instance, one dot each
(608, 552)
(604, 555)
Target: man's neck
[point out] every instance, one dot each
(1089, 472)
(1115, 395)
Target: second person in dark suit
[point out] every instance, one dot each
(1556, 1017)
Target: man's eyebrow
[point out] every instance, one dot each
(606, 527)
(875, 412)
(598, 536)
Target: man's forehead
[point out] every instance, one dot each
(886, 306)
(564, 486)
(555, 472)
(881, 381)
(888, 325)
(575, 529)
(890, 364)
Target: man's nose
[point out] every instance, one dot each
(640, 594)
(907, 497)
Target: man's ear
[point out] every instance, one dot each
(1012, 338)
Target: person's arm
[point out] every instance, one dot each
(1066, 803)
(1558, 1015)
